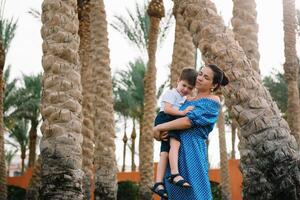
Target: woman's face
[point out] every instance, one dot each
(205, 79)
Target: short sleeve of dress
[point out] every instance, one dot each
(205, 113)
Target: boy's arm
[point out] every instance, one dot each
(168, 109)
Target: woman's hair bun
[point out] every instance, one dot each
(225, 80)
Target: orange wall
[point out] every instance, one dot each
(214, 175)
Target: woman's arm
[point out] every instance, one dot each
(160, 131)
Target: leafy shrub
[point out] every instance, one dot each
(15, 193)
(216, 191)
(127, 190)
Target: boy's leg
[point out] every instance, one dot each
(161, 166)
(173, 155)
(173, 159)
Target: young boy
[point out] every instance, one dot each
(169, 110)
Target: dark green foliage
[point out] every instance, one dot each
(216, 191)
(127, 190)
(15, 193)
(7, 28)
(278, 90)
(128, 89)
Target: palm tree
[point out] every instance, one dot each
(291, 67)
(129, 97)
(20, 134)
(7, 31)
(234, 129)
(105, 161)
(156, 12)
(61, 154)
(183, 50)
(87, 92)
(26, 105)
(269, 155)
(245, 29)
(9, 155)
(225, 179)
(135, 27)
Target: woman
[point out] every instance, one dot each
(194, 128)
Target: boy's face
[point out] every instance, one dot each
(184, 88)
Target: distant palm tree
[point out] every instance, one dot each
(20, 134)
(9, 155)
(225, 179)
(26, 105)
(291, 67)
(129, 84)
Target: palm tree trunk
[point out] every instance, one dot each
(269, 156)
(156, 12)
(291, 67)
(61, 102)
(32, 142)
(105, 161)
(23, 156)
(33, 192)
(245, 29)
(3, 189)
(87, 93)
(233, 136)
(133, 136)
(225, 180)
(124, 147)
(183, 49)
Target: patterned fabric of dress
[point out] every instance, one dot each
(192, 161)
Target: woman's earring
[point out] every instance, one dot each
(211, 89)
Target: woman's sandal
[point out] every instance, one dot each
(181, 183)
(160, 192)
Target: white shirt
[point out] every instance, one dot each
(173, 97)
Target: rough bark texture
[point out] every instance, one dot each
(3, 189)
(61, 102)
(33, 191)
(183, 49)
(87, 93)
(105, 161)
(291, 67)
(245, 29)
(269, 153)
(156, 12)
(32, 142)
(225, 180)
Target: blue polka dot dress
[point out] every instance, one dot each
(192, 161)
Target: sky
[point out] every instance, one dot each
(25, 53)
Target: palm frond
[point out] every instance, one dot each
(7, 30)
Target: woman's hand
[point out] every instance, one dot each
(160, 135)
